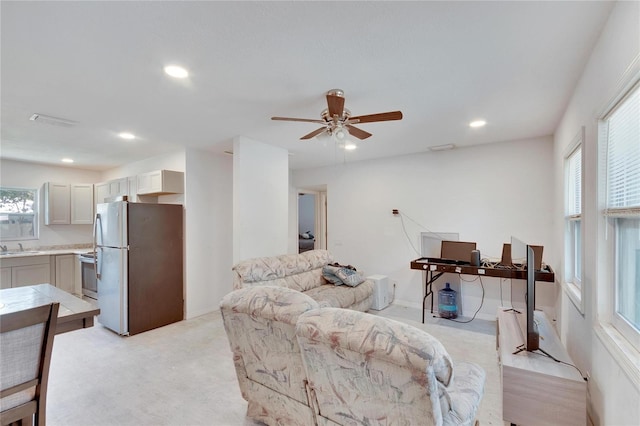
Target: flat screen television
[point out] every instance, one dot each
(524, 257)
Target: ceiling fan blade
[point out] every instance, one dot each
(383, 116)
(307, 120)
(314, 133)
(358, 133)
(335, 104)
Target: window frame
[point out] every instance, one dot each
(36, 215)
(613, 328)
(574, 249)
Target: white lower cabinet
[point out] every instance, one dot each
(37, 273)
(58, 270)
(63, 269)
(5, 277)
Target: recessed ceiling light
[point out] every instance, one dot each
(477, 123)
(67, 160)
(126, 135)
(176, 71)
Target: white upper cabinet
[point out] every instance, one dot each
(112, 188)
(66, 204)
(57, 203)
(82, 203)
(101, 192)
(160, 182)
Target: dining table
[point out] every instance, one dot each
(73, 314)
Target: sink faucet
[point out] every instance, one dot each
(21, 248)
(4, 248)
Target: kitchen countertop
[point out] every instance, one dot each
(28, 252)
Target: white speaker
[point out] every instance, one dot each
(381, 297)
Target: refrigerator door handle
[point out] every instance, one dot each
(95, 243)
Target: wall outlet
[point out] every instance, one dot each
(395, 212)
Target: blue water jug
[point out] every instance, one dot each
(447, 302)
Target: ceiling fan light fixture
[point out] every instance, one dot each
(340, 134)
(350, 146)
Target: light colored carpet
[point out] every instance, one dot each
(183, 374)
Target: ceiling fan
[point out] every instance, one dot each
(337, 120)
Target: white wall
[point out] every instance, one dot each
(486, 193)
(209, 186)
(260, 199)
(613, 396)
(30, 175)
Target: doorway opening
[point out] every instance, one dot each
(312, 219)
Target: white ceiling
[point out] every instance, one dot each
(443, 64)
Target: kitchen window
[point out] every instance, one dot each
(620, 136)
(18, 214)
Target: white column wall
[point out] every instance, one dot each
(260, 199)
(485, 193)
(208, 234)
(613, 397)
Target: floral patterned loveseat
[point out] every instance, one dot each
(303, 272)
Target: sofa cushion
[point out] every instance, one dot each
(333, 296)
(296, 271)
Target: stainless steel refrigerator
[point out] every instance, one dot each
(139, 265)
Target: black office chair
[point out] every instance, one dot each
(26, 343)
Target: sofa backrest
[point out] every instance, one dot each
(299, 272)
(260, 324)
(365, 369)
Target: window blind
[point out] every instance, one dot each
(623, 157)
(573, 205)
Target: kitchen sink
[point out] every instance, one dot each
(13, 253)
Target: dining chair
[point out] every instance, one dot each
(26, 343)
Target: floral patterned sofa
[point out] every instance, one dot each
(299, 364)
(368, 370)
(260, 325)
(303, 272)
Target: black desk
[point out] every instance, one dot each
(435, 267)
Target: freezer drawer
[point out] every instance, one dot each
(113, 289)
